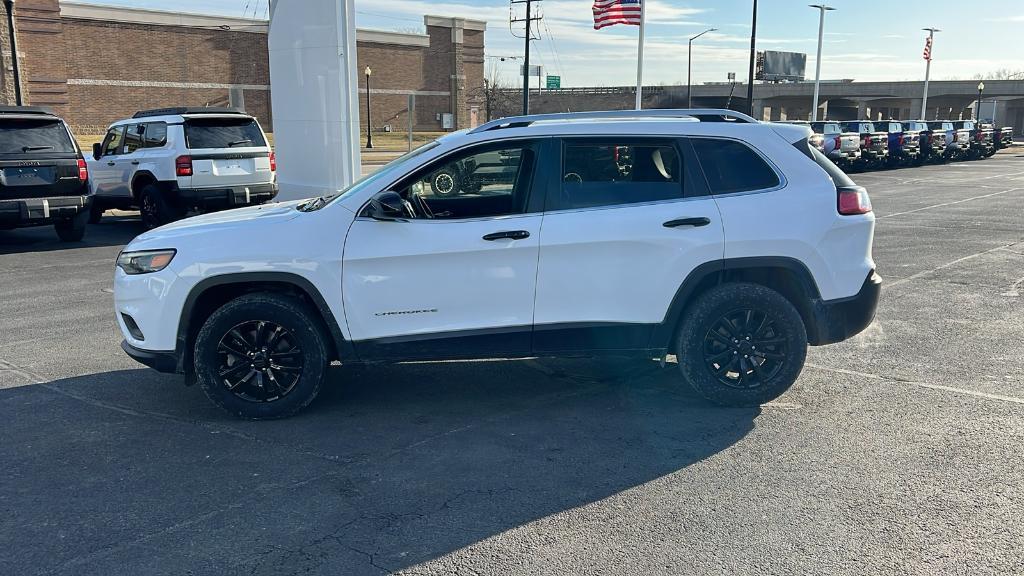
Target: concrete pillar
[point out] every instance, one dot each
(915, 109)
(862, 110)
(823, 113)
(776, 113)
(757, 110)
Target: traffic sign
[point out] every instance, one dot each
(554, 82)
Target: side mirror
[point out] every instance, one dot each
(387, 207)
(97, 150)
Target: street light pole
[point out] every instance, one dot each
(369, 132)
(817, 65)
(689, 62)
(750, 73)
(977, 109)
(927, 71)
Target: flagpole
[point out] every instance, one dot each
(640, 57)
(927, 70)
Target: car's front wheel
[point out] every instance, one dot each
(261, 356)
(741, 344)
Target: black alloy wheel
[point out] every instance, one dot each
(744, 349)
(260, 361)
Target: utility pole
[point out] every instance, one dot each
(817, 63)
(689, 64)
(753, 55)
(526, 50)
(927, 70)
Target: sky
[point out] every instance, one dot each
(864, 40)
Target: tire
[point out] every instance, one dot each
(156, 208)
(72, 229)
(271, 386)
(444, 183)
(782, 338)
(95, 212)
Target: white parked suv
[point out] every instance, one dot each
(727, 242)
(169, 161)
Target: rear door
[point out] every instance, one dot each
(227, 151)
(37, 159)
(625, 222)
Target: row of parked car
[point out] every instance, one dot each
(164, 162)
(861, 144)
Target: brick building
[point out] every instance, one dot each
(95, 64)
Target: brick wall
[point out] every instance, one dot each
(95, 71)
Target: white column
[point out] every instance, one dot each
(314, 96)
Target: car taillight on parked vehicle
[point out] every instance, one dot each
(853, 200)
(273, 161)
(867, 141)
(839, 143)
(83, 170)
(183, 165)
(900, 140)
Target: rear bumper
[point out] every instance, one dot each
(837, 320)
(32, 211)
(227, 197)
(161, 361)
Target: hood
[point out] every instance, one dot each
(237, 220)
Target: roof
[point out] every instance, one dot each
(27, 111)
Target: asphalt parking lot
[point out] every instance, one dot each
(897, 452)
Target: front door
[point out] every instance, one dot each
(630, 221)
(108, 173)
(457, 277)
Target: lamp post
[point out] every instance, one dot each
(928, 70)
(817, 65)
(369, 133)
(689, 61)
(977, 109)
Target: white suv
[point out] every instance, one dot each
(169, 161)
(729, 243)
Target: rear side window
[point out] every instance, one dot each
(834, 172)
(154, 134)
(32, 136)
(223, 133)
(610, 173)
(731, 166)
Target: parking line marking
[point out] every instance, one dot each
(930, 386)
(949, 203)
(946, 265)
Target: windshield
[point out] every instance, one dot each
(385, 172)
(28, 136)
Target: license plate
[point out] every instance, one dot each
(30, 176)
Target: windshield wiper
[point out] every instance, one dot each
(35, 148)
(237, 142)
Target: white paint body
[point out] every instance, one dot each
(609, 264)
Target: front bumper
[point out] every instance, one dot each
(227, 197)
(31, 211)
(836, 320)
(159, 360)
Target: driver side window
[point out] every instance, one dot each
(112, 142)
(482, 182)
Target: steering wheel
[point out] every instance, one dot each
(573, 177)
(424, 206)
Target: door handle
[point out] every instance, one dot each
(135, 162)
(111, 163)
(511, 235)
(695, 222)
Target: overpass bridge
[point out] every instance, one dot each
(844, 100)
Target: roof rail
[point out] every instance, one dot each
(699, 114)
(185, 110)
(26, 110)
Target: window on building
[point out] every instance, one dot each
(731, 166)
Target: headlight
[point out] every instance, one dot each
(145, 261)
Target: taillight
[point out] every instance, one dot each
(901, 139)
(867, 141)
(980, 137)
(183, 165)
(83, 170)
(839, 143)
(273, 161)
(853, 200)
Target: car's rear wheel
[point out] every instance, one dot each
(72, 229)
(741, 344)
(95, 212)
(261, 356)
(156, 209)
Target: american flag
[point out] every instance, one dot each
(609, 12)
(928, 48)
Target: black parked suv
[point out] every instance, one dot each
(43, 177)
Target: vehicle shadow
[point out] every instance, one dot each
(393, 466)
(111, 231)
